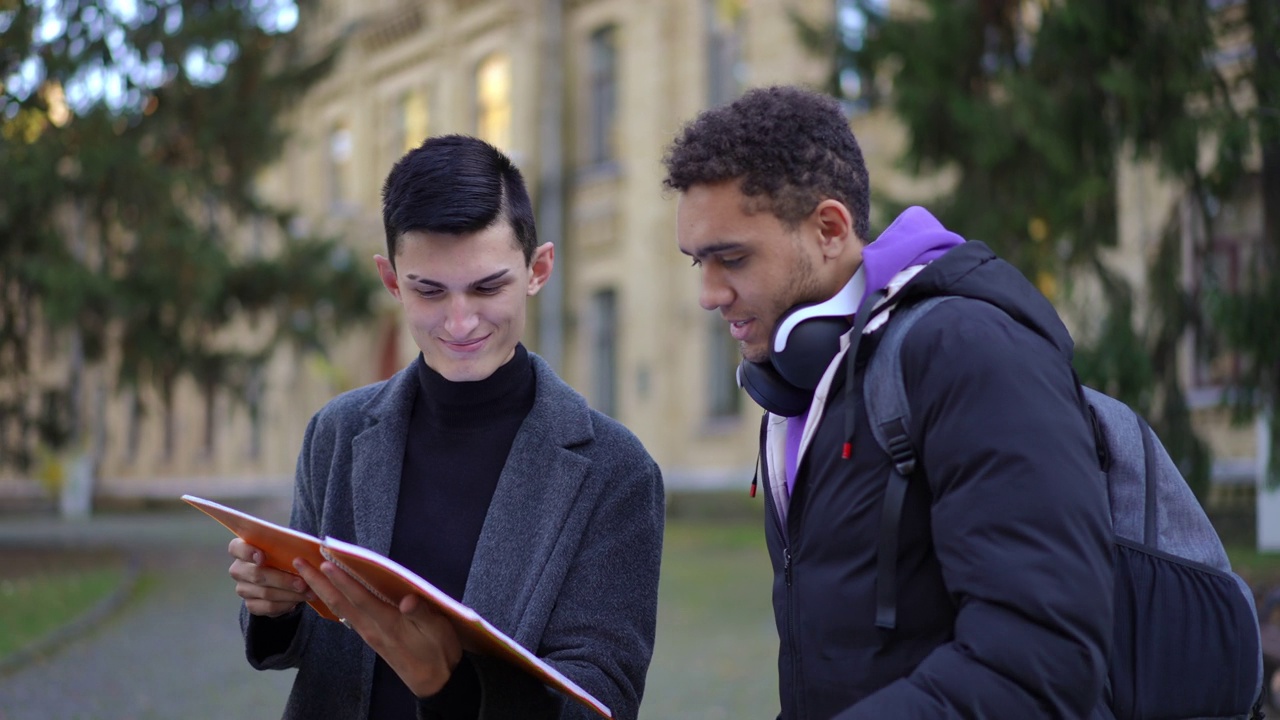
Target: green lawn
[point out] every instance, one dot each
(33, 605)
(716, 651)
(1260, 569)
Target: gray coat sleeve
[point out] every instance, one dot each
(276, 643)
(602, 631)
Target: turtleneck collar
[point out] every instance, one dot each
(461, 405)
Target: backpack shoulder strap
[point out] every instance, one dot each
(886, 395)
(889, 417)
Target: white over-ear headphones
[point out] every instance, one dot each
(802, 344)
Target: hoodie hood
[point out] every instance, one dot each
(914, 238)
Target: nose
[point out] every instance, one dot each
(715, 293)
(461, 318)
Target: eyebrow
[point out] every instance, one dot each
(715, 249)
(433, 283)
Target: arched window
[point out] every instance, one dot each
(493, 100)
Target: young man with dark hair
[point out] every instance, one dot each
(998, 599)
(475, 467)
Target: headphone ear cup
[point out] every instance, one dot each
(771, 391)
(810, 346)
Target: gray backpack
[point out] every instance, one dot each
(1186, 641)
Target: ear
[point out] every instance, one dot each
(834, 225)
(387, 272)
(544, 258)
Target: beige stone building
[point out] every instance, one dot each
(624, 327)
(584, 95)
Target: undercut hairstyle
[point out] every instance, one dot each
(791, 148)
(456, 185)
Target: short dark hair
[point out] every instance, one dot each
(791, 148)
(456, 184)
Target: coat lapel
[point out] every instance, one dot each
(378, 452)
(535, 495)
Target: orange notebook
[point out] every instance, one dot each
(279, 544)
(390, 581)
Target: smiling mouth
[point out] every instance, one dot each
(465, 345)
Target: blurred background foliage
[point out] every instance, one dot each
(1035, 105)
(131, 136)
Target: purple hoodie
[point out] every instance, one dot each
(914, 238)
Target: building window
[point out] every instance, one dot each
(55, 424)
(339, 165)
(493, 101)
(410, 122)
(1216, 367)
(254, 392)
(724, 49)
(133, 424)
(169, 442)
(390, 360)
(51, 340)
(603, 96)
(603, 324)
(257, 236)
(1223, 270)
(724, 400)
(211, 417)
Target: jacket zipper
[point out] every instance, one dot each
(791, 637)
(796, 689)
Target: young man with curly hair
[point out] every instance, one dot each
(999, 600)
(474, 466)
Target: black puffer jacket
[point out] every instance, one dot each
(1004, 568)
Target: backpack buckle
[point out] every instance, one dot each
(902, 454)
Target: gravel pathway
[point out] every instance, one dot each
(172, 650)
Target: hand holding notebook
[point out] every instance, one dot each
(391, 582)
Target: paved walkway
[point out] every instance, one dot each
(172, 650)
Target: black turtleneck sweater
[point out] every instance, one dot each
(460, 434)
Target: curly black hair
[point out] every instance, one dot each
(791, 148)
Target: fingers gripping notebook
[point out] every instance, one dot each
(389, 581)
(280, 545)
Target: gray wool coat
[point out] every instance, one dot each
(567, 560)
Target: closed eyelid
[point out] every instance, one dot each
(491, 282)
(718, 250)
